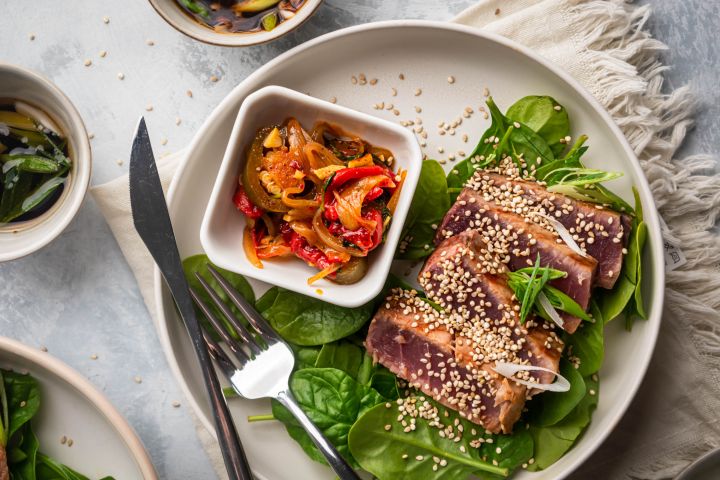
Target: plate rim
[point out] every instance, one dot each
(651, 216)
(84, 387)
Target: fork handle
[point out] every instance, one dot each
(333, 457)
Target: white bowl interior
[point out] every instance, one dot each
(384, 50)
(103, 442)
(179, 19)
(22, 238)
(223, 226)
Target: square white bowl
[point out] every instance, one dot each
(222, 228)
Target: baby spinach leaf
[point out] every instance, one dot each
(267, 299)
(333, 401)
(199, 263)
(505, 136)
(391, 454)
(385, 382)
(307, 321)
(622, 298)
(305, 357)
(23, 457)
(587, 343)
(540, 115)
(551, 407)
(552, 442)
(482, 155)
(430, 203)
(343, 355)
(50, 469)
(22, 394)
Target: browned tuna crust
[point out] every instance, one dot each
(427, 361)
(450, 354)
(456, 278)
(4, 473)
(516, 242)
(601, 232)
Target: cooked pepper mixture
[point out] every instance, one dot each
(325, 196)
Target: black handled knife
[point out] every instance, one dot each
(152, 222)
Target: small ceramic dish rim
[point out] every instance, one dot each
(174, 15)
(221, 215)
(56, 104)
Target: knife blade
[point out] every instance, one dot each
(152, 222)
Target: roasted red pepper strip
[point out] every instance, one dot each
(361, 237)
(245, 205)
(345, 175)
(374, 193)
(313, 256)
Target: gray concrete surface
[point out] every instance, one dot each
(77, 296)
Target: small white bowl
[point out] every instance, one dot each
(18, 239)
(179, 19)
(222, 228)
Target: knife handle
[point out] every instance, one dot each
(232, 451)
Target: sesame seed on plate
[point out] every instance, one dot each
(451, 79)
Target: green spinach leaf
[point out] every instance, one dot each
(393, 453)
(22, 394)
(333, 401)
(343, 355)
(552, 407)
(430, 203)
(539, 113)
(307, 321)
(552, 442)
(587, 342)
(622, 298)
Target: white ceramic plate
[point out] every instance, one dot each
(103, 442)
(427, 53)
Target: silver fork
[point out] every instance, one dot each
(264, 371)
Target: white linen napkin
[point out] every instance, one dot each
(603, 45)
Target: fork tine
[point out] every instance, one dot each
(219, 355)
(218, 326)
(247, 309)
(239, 328)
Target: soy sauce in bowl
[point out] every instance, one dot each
(35, 163)
(241, 16)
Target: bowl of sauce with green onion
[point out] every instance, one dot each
(45, 162)
(235, 22)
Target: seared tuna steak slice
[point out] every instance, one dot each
(516, 242)
(599, 231)
(400, 339)
(483, 310)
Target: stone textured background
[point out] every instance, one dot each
(77, 296)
